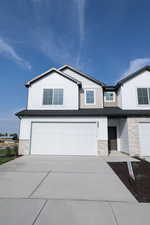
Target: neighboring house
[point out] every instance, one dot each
(7, 139)
(70, 113)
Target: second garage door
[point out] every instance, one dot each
(63, 138)
(144, 133)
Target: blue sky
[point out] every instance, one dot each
(103, 38)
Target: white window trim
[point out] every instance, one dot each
(53, 97)
(142, 105)
(94, 96)
(114, 96)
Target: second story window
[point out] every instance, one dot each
(109, 96)
(53, 96)
(89, 97)
(143, 95)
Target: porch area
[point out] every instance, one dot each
(118, 138)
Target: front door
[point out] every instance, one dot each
(112, 139)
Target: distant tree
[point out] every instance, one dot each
(14, 136)
(3, 134)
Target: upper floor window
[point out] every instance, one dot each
(109, 96)
(53, 96)
(89, 97)
(143, 95)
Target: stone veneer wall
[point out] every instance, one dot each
(102, 147)
(133, 134)
(110, 104)
(24, 147)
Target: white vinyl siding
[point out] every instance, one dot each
(124, 137)
(129, 95)
(53, 81)
(144, 136)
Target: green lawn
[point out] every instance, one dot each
(6, 159)
(7, 154)
(2, 152)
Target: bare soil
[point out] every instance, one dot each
(140, 187)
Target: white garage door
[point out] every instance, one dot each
(63, 138)
(144, 132)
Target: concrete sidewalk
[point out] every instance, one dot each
(52, 190)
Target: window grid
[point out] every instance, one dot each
(143, 96)
(89, 97)
(53, 96)
(109, 96)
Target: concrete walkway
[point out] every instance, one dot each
(50, 190)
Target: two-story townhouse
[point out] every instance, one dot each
(71, 113)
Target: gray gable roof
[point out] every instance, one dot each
(48, 73)
(82, 74)
(106, 87)
(122, 81)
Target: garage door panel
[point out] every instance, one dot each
(63, 138)
(144, 136)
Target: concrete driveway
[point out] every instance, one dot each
(50, 190)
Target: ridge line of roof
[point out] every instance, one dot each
(83, 74)
(106, 87)
(49, 71)
(120, 82)
(39, 76)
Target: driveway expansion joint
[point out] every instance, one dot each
(44, 204)
(39, 184)
(115, 217)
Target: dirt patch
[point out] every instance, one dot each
(140, 188)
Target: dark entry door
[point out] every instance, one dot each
(112, 138)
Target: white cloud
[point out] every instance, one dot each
(56, 49)
(81, 5)
(55, 46)
(137, 64)
(8, 51)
